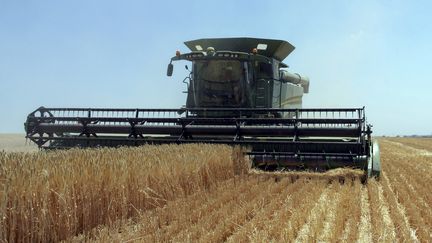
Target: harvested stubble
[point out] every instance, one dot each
(417, 143)
(50, 196)
(303, 207)
(227, 201)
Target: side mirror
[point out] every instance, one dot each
(170, 69)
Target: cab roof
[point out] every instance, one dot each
(277, 49)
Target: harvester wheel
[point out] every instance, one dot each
(374, 161)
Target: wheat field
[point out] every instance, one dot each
(204, 193)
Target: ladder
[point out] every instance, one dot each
(261, 93)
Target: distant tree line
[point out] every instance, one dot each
(410, 136)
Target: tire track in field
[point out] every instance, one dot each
(388, 233)
(401, 212)
(315, 217)
(383, 227)
(352, 215)
(331, 213)
(339, 213)
(307, 219)
(286, 223)
(365, 234)
(347, 229)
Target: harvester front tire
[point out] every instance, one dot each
(374, 161)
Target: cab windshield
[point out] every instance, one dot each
(219, 70)
(220, 83)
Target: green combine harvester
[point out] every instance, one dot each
(239, 92)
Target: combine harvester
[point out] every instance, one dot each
(238, 93)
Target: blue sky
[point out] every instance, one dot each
(114, 53)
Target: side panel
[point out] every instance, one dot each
(291, 96)
(287, 96)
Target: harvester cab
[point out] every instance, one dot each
(241, 73)
(239, 93)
